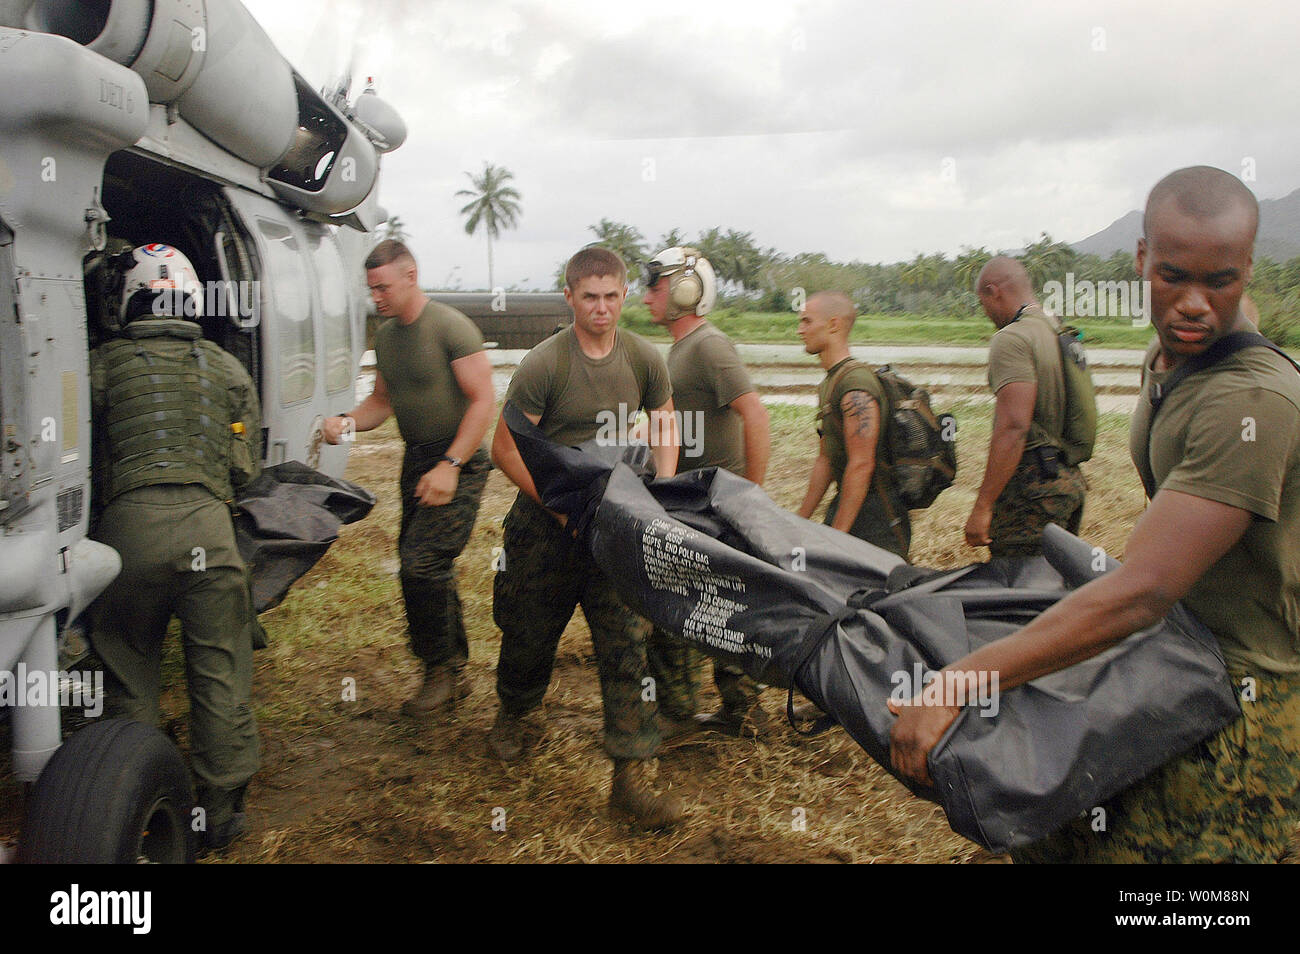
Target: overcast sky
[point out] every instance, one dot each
(865, 130)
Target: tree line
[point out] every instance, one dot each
(753, 278)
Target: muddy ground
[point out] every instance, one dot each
(346, 777)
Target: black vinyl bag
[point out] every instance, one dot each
(709, 557)
(285, 520)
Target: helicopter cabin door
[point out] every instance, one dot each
(307, 321)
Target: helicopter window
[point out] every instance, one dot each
(323, 166)
(290, 299)
(336, 321)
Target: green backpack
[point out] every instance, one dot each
(1079, 433)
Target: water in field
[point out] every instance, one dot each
(785, 374)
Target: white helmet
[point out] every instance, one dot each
(692, 288)
(161, 283)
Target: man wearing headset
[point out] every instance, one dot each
(724, 424)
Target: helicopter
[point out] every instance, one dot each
(128, 122)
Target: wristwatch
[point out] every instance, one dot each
(454, 461)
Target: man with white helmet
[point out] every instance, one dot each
(724, 424)
(176, 433)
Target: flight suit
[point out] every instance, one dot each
(176, 420)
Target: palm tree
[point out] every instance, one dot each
(671, 239)
(968, 265)
(394, 228)
(1047, 260)
(624, 240)
(494, 205)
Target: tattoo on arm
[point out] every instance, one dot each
(864, 409)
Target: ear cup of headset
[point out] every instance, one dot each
(686, 291)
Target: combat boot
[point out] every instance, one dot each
(220, 836)
(443, 686)
(506, 737)
(633, 794)
(672, 729)
(738, 725)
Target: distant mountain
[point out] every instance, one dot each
(1279, 232)
(1120, 236)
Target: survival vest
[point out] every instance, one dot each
(169, 415)
(1079, 431)
(920, 446)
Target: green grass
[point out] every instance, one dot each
(972, 330)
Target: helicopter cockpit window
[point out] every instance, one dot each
(336, 323)
(290, 299)
(315, 146)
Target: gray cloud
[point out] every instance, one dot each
(820, 126)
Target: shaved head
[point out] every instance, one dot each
(1002, 287)
(834, 304)
(1201, 192)
(1197, 254)
(1007, 273)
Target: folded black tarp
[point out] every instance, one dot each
(286, 519)
(709, 557)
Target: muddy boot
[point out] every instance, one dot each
(442, 686)
(506, 737)
(673, 730)
(633, 794)
(738, 725)
(221, 835)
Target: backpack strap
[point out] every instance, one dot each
(832, 406)
(851, 365)
(1225, 347)
(1057, 329)
(882, 444)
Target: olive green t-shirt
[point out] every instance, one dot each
(599, 391)
(1231, 434)
(1028, 351)
(707, 375)
(831, 418)
(415, 361)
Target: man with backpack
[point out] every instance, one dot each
(570, 386)
(851, 422)
(1032, 476)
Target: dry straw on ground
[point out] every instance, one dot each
(356, 781)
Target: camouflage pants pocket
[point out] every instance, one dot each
(1029, 502)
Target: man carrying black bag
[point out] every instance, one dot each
(1221, 455)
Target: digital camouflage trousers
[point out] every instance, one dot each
(1030, 501)
(546, 574)
(1235, 797)
(675, 666)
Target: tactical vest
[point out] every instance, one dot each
(169, 411)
